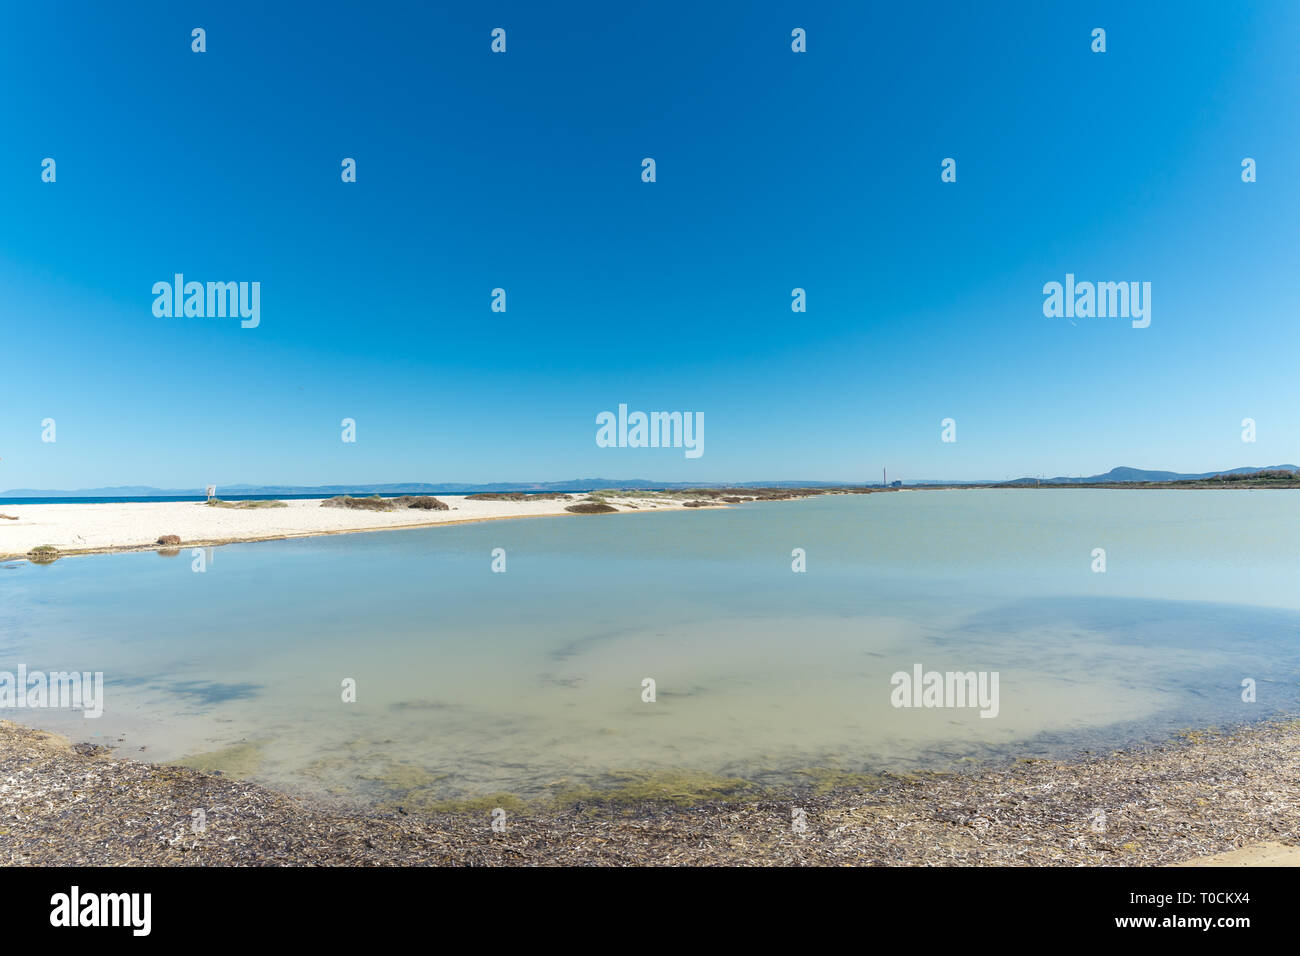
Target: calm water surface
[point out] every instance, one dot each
(471, 682)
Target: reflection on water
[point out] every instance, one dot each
(473, 683)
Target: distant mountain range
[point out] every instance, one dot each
(1120, 474)
(1139, 474)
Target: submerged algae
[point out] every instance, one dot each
(239, 760)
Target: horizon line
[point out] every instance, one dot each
(199, 489)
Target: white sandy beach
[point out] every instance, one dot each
(90, 528)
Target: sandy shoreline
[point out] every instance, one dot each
(136, 526)
(1204, 799)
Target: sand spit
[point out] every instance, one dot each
(137, 526)
(1201, 794)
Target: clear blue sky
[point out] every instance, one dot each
(776, 170)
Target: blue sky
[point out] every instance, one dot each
(522, 170)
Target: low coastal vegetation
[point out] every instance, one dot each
(242, 505)
(519, 496)
(43, 554)
(376, 503)
(590, 507)
(1263, 477)
(171, 539)
(373, 503)
(421, 502)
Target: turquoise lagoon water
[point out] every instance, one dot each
(471, 682)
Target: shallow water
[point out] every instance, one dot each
(471, 683)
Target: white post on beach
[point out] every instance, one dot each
(212, 492)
